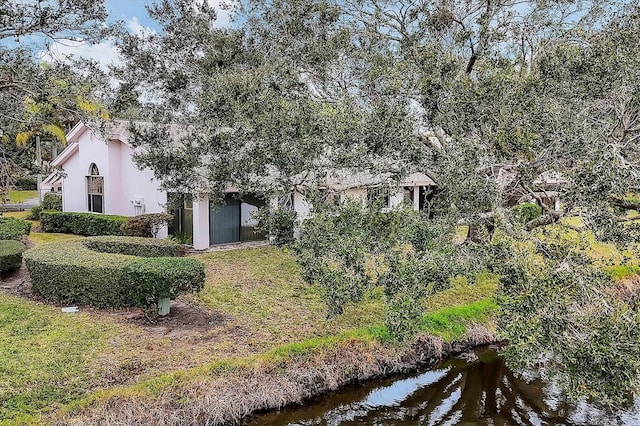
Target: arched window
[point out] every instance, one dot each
(95, 190)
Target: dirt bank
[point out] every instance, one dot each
(228, 394)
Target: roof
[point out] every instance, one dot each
(342, 179)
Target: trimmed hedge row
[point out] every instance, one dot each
(82, 223)
(134, 246)
(14, 229)
(11, 255)
(144, 225)
(163, 277)
(69, 272)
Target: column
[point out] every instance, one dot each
(201, 223)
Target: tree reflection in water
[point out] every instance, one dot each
(481, 390)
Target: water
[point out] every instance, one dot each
(477, 389)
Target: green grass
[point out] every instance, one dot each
(21, 196)
(263, 288)
(452, 323)
(46, 357)
(42, 238)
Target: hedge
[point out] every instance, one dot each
(52, 201)
(163, 277)
(82, 223)
(14, 229)
(135, 246)
(69, 272)
(11, 255)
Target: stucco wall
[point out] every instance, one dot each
(123, 181)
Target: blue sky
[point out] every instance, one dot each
(131, 12)
(125, 10)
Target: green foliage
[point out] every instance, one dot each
(134, 246)
(14, 229)
(27, 183)
(52, 201)
(349, 251)
(34, 213)
(11, 255)
(69, 272)
(154, 278)
(146, 225)
(555, 304)
(82, 223)
(278, 224)
(526, 212)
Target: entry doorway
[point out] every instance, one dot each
(234, 222)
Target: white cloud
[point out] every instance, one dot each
(104, 53)
(137, 28)
(224, 10)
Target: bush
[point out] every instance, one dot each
(526, 212)
(14, 229)
(134, 246)
(82, 223)
(163, 277)
(69, 272)
(146, 225)
(34, 213)
(278, 224)
(27, 183)
(52, 201)
(11, 255)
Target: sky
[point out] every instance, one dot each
(132, 13)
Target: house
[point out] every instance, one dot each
(97, 174)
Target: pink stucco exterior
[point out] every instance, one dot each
(124, 182)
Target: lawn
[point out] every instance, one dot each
(255, 309)
(254, 303)
(21, 196)
(46, 356)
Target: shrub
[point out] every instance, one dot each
(69, 272)
(11, 255)
(14, 229)
(163, 277)
(52, 201)
(278, 224)
(135, 246)
(27, 183)
(34, 213)
(146, 225)
(526, 212)
(82, 223)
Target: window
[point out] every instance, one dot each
(95, 190)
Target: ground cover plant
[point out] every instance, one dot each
(254, 302)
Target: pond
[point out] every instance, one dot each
(476, 388)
